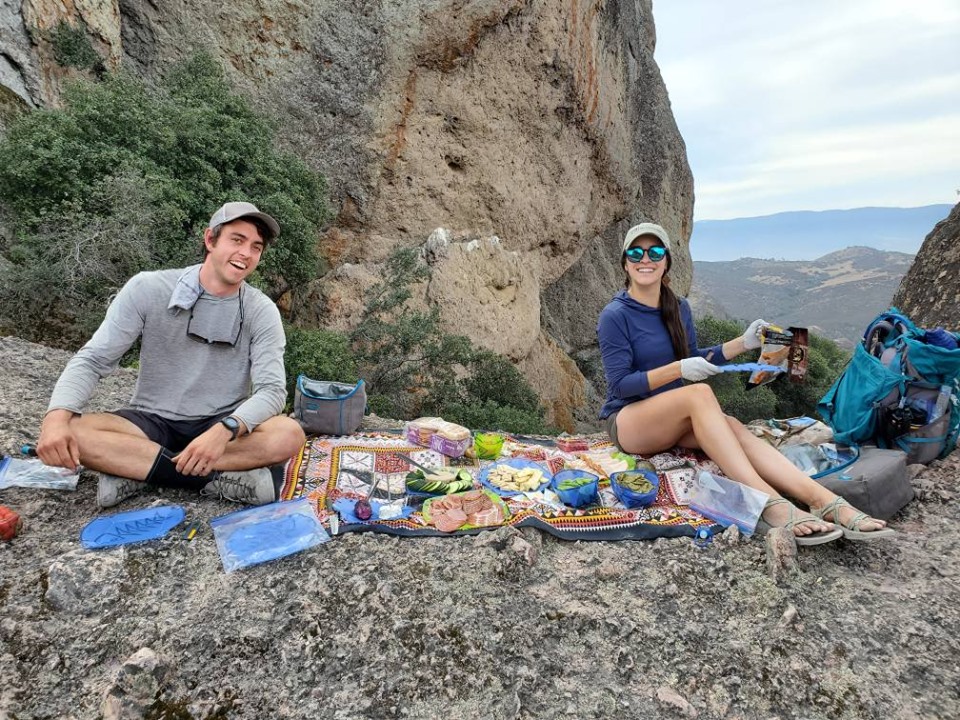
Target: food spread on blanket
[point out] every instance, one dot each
(318, 475)
(515, 479)
(475, 508)
(442, 481)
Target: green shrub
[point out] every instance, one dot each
(489, 415)
(72, 47)
(405, 358)
(318, 354)
(177, 151)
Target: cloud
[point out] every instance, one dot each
(893, 163)
(841, 104)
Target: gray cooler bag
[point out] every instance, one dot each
(323, 407)
(877, 483)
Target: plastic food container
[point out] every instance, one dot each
(448, 447)
(632, 498)
(586, 494)
(517, 464)
(488, 445)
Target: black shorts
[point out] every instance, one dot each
(174, 435)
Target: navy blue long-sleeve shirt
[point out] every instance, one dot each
(634, 340)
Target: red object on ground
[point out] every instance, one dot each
(10, 523)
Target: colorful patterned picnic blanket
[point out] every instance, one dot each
(329, 469)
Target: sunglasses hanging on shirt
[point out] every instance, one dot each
(656, 253)
(216, 322)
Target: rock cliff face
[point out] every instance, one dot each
(930, 291)
(544, 123)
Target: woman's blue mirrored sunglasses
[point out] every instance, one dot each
(656, 253)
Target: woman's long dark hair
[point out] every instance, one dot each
(669, 310)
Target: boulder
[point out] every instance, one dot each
(930, 291)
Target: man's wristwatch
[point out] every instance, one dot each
(231, 424)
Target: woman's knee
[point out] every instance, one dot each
(700, 396)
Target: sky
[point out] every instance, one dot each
(814, 104)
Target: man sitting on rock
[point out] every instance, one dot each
(205, 411)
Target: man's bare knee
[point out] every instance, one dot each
(284, 435)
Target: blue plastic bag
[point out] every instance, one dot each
(133, 526)
(258, 534)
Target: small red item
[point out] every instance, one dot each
(10, 523)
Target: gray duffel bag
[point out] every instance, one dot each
(877, 483)
(324, 407)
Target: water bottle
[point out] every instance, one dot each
(943, 400)
(703, 538)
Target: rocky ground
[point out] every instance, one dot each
(506, 624)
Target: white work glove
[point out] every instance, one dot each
(696, 369)
(751, 336)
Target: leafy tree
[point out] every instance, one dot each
(177, 150)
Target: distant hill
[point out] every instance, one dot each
(835, 295)
(808, 235)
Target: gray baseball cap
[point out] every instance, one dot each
(646, 229)
(235, 210)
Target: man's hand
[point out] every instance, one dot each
(201, 456)
(696, 369)
(58, 445)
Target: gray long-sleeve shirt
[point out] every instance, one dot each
(180, 378)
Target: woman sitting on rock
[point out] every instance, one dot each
(648, 344)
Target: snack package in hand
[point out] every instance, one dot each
(797, 361)
(774, 350)
(786, 349)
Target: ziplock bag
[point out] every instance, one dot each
(32, 473)
(258, 534)
(727, 502)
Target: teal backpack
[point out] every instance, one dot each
(899, 390)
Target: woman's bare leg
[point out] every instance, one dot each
(783, 475)
(691, 417)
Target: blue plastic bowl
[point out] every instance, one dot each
(586, 494)
(632, 498)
